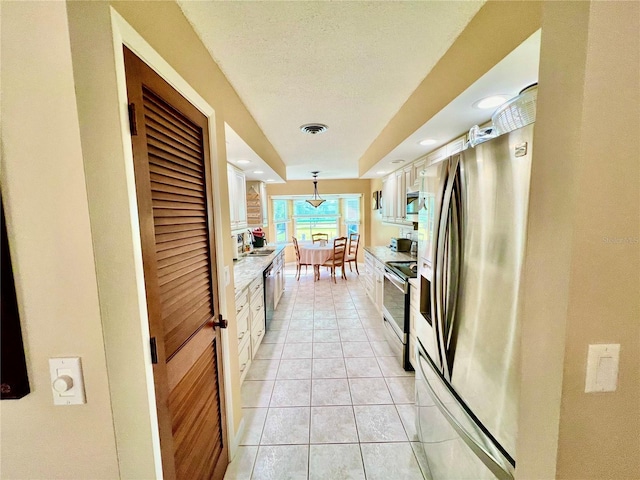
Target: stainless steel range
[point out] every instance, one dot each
(395, 307)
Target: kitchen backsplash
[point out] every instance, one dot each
(408, 232)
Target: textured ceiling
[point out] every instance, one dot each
(350, 65)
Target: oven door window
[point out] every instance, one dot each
(394, 301)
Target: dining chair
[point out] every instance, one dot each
(316, 237)
(335, 260)
(298, 264)
(352, 251)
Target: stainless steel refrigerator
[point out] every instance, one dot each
(472, 231)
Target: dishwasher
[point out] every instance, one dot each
(269, 280)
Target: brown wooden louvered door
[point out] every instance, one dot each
(173, 185)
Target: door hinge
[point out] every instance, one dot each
(222, 323)
(133, 124)
(154, 350)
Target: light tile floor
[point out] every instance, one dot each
(323, 399)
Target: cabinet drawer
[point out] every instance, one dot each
(242, 302)
(257, 334)
(257, 304)
(412, 351)
(255, 289)
(414, 297)
(243, 325)
(244, 358)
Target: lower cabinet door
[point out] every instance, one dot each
(244, 357)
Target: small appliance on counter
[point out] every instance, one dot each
(400, 244)
(259, 238)
(413, 251)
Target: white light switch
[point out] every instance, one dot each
(602, 368)
(67, 384)
(227, 276)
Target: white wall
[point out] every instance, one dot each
(43, 187)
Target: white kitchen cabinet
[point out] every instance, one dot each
(374, 279)
(369, 272)
(416, 173)
(456, 145)
(278, 272)
(408, 179)
(250, 320)
(414, 316)
(401, 196)
(237, 198)
(379, 283)
(389, 199)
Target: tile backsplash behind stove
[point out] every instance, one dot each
(408, 232)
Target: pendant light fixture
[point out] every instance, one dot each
(316, 201)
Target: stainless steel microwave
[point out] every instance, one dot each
(413, 203)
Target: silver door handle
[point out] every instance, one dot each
(486, 457)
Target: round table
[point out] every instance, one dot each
(314, 253)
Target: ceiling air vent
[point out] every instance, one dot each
(313, 128)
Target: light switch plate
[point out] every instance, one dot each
(67, 368)
(227, 276)
(602, 368)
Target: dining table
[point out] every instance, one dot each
(314, 253)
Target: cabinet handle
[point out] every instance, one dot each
(258, 309)
(242, 336)
(238, 310)
(243, 366)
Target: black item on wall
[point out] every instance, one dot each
(14, 382)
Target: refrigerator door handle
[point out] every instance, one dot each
(440, 259)
(435, 292)
(481, 452)
(454, 253)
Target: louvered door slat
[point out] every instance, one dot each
(173, 165)
(158, 123)
(162, 212)
(163, 175)
(167, 188)
(174, 272)
(181, 325)
(186, 162)
(186, 296)
(157, 133)
(194, 307)
(180, 259)
(157, 178)
(175, 198)
(175, 234)
(176, 253)
(158, 106)
(178, 205)
(179, 284)
(195, 237)
(174, 173)
(193, 220)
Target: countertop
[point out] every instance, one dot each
(384, 255)
(247, 268)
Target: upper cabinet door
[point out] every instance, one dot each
(237, 198)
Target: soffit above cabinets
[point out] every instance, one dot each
(349, 65)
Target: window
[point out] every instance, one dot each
(351, 209)
(310, 220)
(338, 216)
(281, 220)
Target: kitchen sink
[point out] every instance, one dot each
(262, 253)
